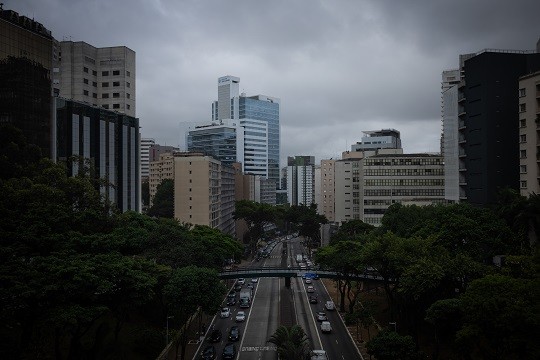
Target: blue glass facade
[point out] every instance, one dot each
(266, 110)
(218, 142)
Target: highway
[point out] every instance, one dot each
(263, 317)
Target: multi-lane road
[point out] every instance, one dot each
(263, 317)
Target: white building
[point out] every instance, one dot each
(146, 143)
(301, 180)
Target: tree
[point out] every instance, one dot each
(189, 289)
(291, 341)
(389, 345)
(257, 216)
(163, 200)
(145, 195)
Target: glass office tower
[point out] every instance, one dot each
(260, 107)
(218, 141)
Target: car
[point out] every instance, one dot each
(215, 336)
(240, 316)
(231, 301)
(209, 353)
(241, 281)
(308, 281)
(254, 280)
(318, 355)
(313, 299)
(237, 287)
(250, 286)
(326, 327)
(225, 313)
(229, 351)
(329, 305)
(234, 333)
(231, 294)
(310, 289)
(321, 316)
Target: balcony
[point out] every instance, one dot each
(462, 140)
(461, 124)
(461, 98)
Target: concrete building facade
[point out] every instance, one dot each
(88, 135)
(200, 198)
(326, 205)
(146, 143)
(301, 180)
(380, 139)
(98, 76)
(529, 134)
(159, 170)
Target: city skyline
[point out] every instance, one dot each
(338, 69)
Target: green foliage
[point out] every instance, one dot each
(292, 342)
(352, 230)
(163, 200)
(389, 345)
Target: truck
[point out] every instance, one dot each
(245, 298)
(299, 258)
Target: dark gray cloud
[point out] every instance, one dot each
(340, 67)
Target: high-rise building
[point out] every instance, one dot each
(326, 204)
(159, 170)
(235, 106)
(301, 180)
(488, 116)
(380, 139)
(242, 141)
(108, 141)
(98, 76)
(26, 55)
(203, 191)
(146, 143)
(529, 134)
(400, 178)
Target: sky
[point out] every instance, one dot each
(340, 67)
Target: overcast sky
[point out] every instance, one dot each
(340, 67)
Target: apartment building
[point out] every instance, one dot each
(326, 204)
(301, 180)
(348, 189)
(159, 170)
(203, 191)
(102, 77)
(529, 134)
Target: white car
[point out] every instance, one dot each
(240, 316)
(308, 281)
(225, 313)
(241, 281)
(310, 289)
(318, 355)
(254, 280)
(326, 327)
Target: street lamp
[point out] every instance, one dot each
(395, 325)
(167, 335)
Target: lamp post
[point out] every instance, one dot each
(167, 335)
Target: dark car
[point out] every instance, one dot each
(231, 301)
(313, 299)
(237, 287)
(231, 294)
(229, 352)
(234, 333)
(209, 353)
(215, 336)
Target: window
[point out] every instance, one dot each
(128, 73)
(105, 96)
(56, 70)
(105, 84)
(523, 138)
(522, 123)
(128, 84)
(128, 106)
(105, 106)
(522, 154)
(523, 184)
(104, 73)
(94, 95)
(116, 95)
(94, 72)
(522, 92)
(94, 84)
(128, 95)
(116, 72)
(523, 169)
(85, 92)
(85, 81)
(85, 69)
(522, 107)
(116, 83)
(116, 106)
